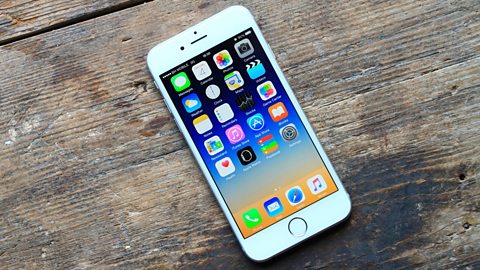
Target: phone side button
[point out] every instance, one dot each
(297, 227)
(156, 85)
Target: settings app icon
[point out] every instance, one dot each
(289, 132)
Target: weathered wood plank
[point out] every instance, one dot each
(95, 174)
(24, 18)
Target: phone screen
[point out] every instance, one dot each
(248, 133)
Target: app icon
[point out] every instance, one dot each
(202, 124)
(180, 81)
(213, 145)
(266, 90)
(252, 218)
(255, 69)
(201, 70)
(246, 155)
(245, 101)
(224, 113)
(316, 184)
(289, 132)
(278, 111)
(233, 80)
(191, 103)
(212, 91)
(268, 144)
(256, 122)
(225, 166)
(244, 48)
(295, 195)
(235, 134)
(273, 206)
(223, 59)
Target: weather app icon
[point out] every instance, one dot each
(255, 69)
(191, 103)
(256, 122)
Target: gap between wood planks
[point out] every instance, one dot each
(79, 19)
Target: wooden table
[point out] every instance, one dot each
(95, 174)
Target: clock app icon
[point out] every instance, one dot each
(212, 91)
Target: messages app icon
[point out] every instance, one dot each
(180, 81)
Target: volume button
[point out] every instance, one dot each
(156, 85)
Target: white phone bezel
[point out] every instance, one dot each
(218, 28)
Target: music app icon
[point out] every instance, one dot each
(316, 184)
(235, 134)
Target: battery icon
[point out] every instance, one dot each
(248, 32)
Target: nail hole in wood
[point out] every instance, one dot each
(462, 176)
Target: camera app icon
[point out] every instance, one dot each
(244, 48)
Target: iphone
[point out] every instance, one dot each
(248, 133)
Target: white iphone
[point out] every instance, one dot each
(248, 133)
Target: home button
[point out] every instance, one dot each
(297, 227)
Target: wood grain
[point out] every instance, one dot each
(94, 173)
(21, 19)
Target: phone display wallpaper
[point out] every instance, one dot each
(248, 133)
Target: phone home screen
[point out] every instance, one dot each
(248, 133)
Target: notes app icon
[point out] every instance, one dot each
(202, 124)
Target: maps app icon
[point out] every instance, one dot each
(256, 122)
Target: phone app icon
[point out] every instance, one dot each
(255, 69)
(245, 101)
(191, 103)
(223, 59)
(233, 80)
(224, 113)
(244, 48)
(252, 218)
(316, 184)
(180, 81)
(202, 124)
(213, 145)
(278, 111)
(268, 144)
(289, 132)
(212, 91)
(273, 206)
(295, 195)
(266, 90)
(246, 155)
(235, 134)
(201, 70)
(225, 166)
(256, 122)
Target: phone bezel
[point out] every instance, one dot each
(218, 28)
